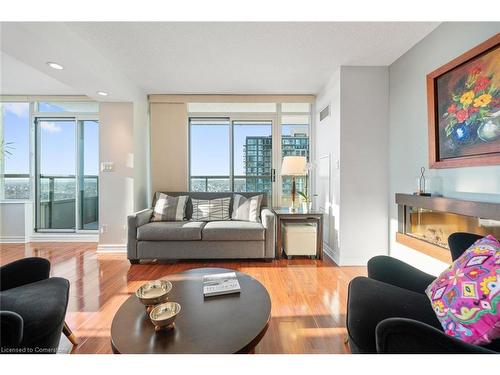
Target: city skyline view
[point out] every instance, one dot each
(209, 153)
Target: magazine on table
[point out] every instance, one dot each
(220, 283)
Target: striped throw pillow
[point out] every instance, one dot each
(247, 209)
(168, 208)
(211, 210)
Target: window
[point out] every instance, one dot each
(14, 156)
(209, 155)
(230, 155)
(239, 146)
(294, 142)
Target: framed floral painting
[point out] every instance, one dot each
(463, 99)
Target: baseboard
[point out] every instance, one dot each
(331, 253)
(13, 239)
(63, 237)
(113, 248)
(353, 262)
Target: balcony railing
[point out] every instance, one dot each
(241, 183)
(57, 199)
(57, 202)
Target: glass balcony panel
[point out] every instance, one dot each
(90, 203)
(218, 184)
(57, 202)
(210, 184)
(17, 187)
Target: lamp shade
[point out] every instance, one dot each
(294, 166)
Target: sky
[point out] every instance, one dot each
(57, 143)
(16, 130)
(209, 144)
(210, 147)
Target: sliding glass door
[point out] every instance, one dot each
(66, 182)
(228, 154)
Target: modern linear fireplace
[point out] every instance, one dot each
(424, 223)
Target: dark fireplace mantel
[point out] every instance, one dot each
(425, 222)
(483, 210)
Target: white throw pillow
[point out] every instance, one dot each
(247, 209)
(168, 208)
(210, 210)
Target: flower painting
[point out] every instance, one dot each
(465, 106)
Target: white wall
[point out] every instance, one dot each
(116, 188)
(327, 145)
(356, 138)
(12, 222)
(408, 128)
(364, 175)
(141, 153)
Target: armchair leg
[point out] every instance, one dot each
(69, 334)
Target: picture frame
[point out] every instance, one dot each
(463, 100)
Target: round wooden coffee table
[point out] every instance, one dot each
(232, 323)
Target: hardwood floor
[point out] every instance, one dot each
(308, 296)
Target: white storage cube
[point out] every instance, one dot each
(299, 239)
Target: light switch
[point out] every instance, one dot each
(107, 166)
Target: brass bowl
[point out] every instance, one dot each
(163, 315)
(154, 292)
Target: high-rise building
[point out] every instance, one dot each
(258, 158)
(257, 155)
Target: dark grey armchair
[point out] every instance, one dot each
(388, 311)
(32, 307)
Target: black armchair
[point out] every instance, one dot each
(32, 307)
(388, 311)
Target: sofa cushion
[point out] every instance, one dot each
(233, 231)
(170, 231)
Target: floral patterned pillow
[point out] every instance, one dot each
(466, 297)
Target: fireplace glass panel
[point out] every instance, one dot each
(435, 226)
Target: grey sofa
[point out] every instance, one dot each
(177, 240)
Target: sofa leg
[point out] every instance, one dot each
(69, 334)
(134, 261)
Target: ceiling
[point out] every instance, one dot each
(128, 59)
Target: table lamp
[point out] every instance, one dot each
(294, 166)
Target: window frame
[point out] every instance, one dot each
(78, 118)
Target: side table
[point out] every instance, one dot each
(285, 215)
